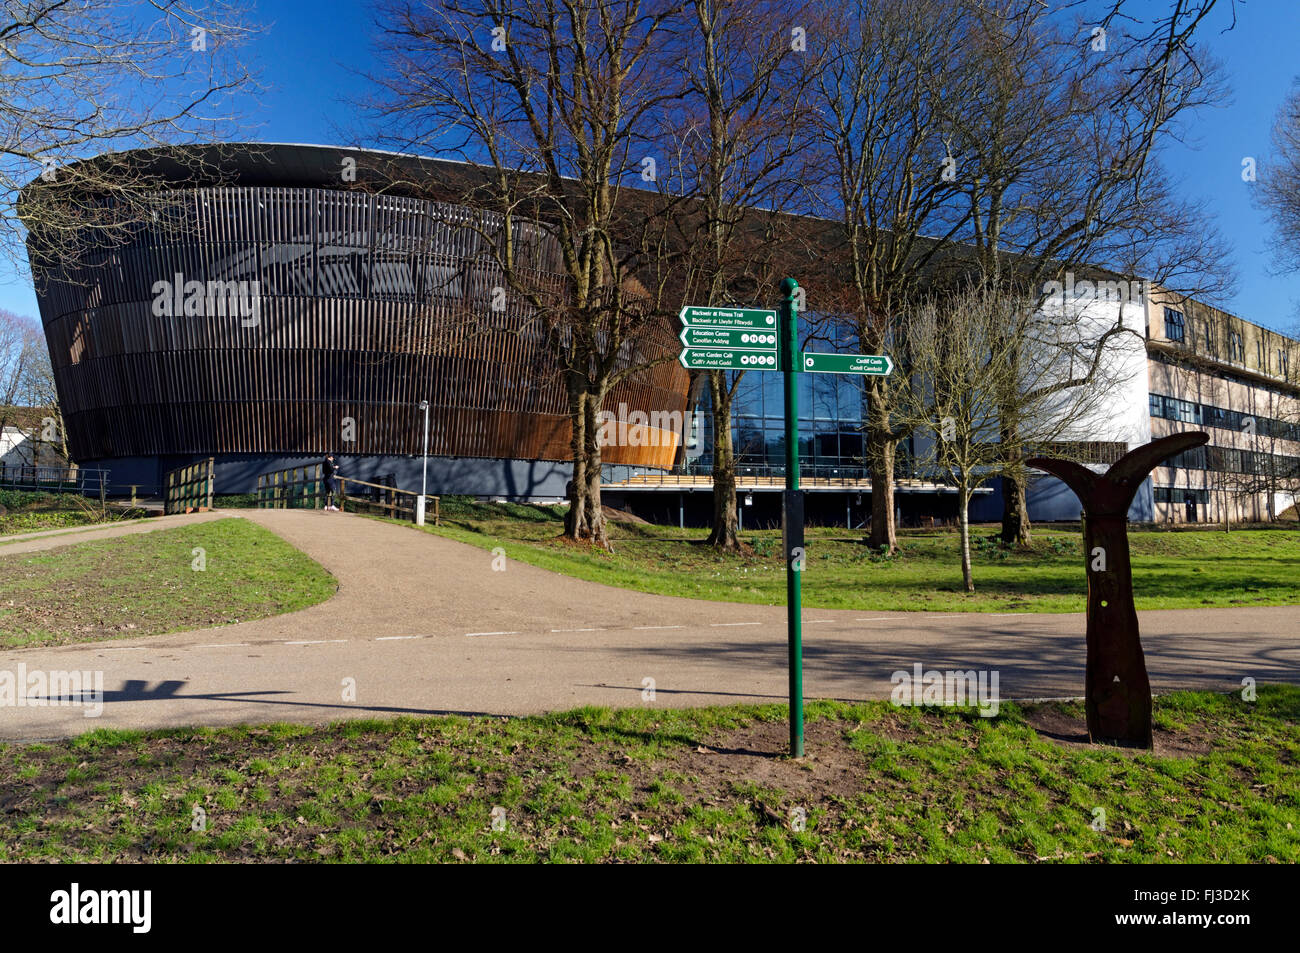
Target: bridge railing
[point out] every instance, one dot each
(304, 488)
(292, 488)
(188, 488)
(399, 504)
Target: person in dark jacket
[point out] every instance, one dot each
(328, 470)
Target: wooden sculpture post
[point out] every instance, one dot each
(1118, 693)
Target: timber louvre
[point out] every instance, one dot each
(365, 305)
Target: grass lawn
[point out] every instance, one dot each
(1171, 570)
(146, 584)
(22, 511)
(880, 784)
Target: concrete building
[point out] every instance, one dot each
(1239, 382)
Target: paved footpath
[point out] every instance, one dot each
(424, 625)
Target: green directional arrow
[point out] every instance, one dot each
(733, 338)
(877, 364)
(694, 358)
(707, 317)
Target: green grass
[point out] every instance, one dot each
(593, 785)
(23, 511)
(147, 584)
(1171, 570)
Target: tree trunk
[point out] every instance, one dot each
(726, 531)
(585, 519)
(575, 524)
(1016, 529)
(967, 577)
(880, 450)
(595, 514)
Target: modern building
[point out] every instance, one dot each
(278, 307)
(284, 301)
(1240, 383)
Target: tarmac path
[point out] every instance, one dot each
(424, 625)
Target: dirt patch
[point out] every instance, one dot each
(758, 754)
(622, 516)
(1071, 732)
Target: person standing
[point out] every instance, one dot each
(329, 469)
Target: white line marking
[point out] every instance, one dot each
(717, 624)
(315, 642)
(470, 635)
(218, 645)
(124, 648)
(658, 626)
(390, 638)
(815, 621)
(882, 618)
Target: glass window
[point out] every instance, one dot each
(1174, 326)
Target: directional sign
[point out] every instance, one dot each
(695, 358)
(732, 338)
(698, 317)
(876, 364)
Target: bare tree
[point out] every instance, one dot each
(83, 77)
(1279, 181)
(15, 353)
(738, 140)
(552, 99)
(889, 70)
(1057, 153)
(960, 364)
(27, 398)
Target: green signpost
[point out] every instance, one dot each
(876, 364)
(749, 339)
(741, 339)
(705, 317)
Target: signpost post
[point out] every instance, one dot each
(750, 339)
(792, 511)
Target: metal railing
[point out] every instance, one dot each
(816, 475)
(188, 488)
(85, 481)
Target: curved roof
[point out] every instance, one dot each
(269, 164)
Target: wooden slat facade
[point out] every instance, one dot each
(366, 304)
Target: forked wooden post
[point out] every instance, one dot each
(1117, 690)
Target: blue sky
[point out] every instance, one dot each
(309, 52)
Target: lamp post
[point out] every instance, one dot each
(424, 476)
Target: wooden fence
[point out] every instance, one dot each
(294, 488)
(399, 504)
(188, 488)
(304, 488)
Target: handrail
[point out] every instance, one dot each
(393, 505)
(188, 488)
(53, 479)
(304, 486)
(292, 487)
